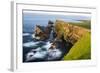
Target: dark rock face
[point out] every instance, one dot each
(50, 22)
(62, 45)
(43, 32)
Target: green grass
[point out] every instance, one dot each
(83, 23)
(81, 49)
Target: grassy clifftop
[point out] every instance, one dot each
(78, 35)
(83, 23)
(81, 49)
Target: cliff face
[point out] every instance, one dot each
(70, 32)
(81, 49)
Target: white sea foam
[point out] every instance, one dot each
(54, 54)
(36, 54)
(30, 44)
(40, 54)
(26, 34)
(37, 38)
(48, 45)
(33, 35)
(30, 56)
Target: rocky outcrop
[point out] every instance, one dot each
(39, 32)
(70, 32)
(43, 32)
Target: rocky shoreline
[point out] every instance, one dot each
(59, 38)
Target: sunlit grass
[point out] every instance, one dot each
(81, 49)
(83, 23)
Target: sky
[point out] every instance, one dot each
(32, 19)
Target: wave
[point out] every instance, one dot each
(30, 44)
(33, 35)
(43, 53)
(26, 34)
(54, 54)
(36, 54)
(40, 54)
(47, 46)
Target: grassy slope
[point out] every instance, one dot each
(81, 49)
(84, 23)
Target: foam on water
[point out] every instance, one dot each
(54, 54)
(30, 44)
(51, 35)
(26, 34)
(39, 53)
(30, 56)
(42, 52)
(34, 37)
(48, 45)
(36, 54)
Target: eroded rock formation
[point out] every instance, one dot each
(70, 32)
